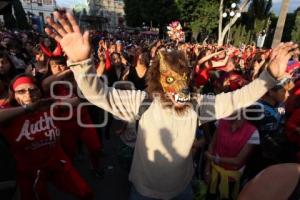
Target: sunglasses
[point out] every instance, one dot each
(29, 90)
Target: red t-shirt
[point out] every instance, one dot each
(291, 127)
(292, 66)
(33, 138)
(71, 130)
(202, 76)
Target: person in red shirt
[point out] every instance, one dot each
(34, 138)
(292, 125)
(72, 131)
(206, 64)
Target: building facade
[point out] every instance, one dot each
(41, 8)
(112, 10)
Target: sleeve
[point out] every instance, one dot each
(210, 107)
(124, 104)
(107, 60)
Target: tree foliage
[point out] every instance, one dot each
(260, 9)
(201, 14)
(257, 19)
(296, 30)
(132, 13)
(20, 14)
(157, 12)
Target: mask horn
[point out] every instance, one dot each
(162, 62)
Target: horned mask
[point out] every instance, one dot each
(172, 82)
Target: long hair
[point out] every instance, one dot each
(177, 62)
(5, 78)
(201, 55)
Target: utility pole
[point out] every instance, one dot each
(280, 23)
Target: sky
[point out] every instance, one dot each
(70, 3)
(294, 4)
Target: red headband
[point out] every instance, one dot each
(57, 51)
(22, 80)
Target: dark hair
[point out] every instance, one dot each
(5, 78)
(59, 59)
(14, 45)
(201, 55)
(145, 57)
(113, 54)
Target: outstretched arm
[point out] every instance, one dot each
(55, 77)
(7, 114)
(221, 106)
(121, 103)
(208, 57)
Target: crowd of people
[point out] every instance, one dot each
(45, 114)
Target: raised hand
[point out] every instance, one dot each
(279, 59)
(75, 44)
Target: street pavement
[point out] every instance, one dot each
(114, 185)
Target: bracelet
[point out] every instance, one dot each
(82, 63)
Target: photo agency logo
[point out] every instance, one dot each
(111, 99)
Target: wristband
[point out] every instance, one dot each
(82, 63)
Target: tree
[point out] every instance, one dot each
(157, 12)
(296, 30)
(187, 9)
(132, 13)
(280, 23)
(288, 27)
(259, 11)
(18, 20)
(9, 19)
(20, 14)
(223, 31)
(202, 15)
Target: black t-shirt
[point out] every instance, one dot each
(269, 123)
(139, 83)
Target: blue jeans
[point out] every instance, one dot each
(187, 194)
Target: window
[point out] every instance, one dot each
(40, 2)
(48, 2)
(42, 16)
